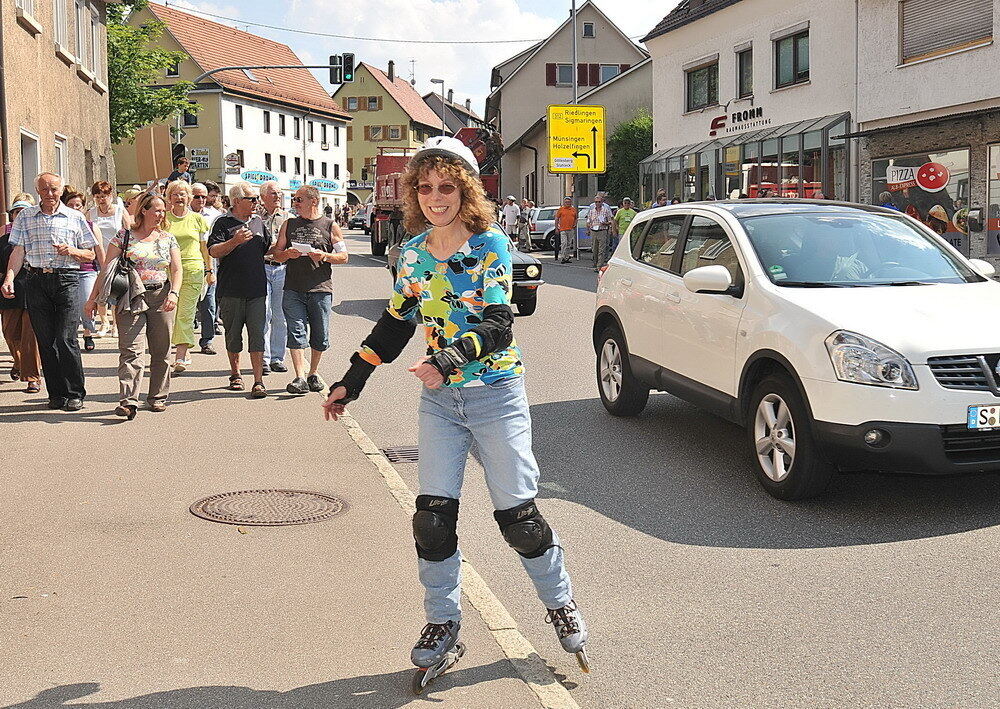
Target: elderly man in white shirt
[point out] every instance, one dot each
(599, 226)
(511, 212)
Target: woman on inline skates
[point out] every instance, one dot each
(454, 279)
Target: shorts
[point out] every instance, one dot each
(237, 313)
(312, 309)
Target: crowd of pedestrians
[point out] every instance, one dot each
(158, 269)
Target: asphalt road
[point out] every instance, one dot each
(700, 590)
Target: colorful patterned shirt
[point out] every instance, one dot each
(150, 258)
(39, 233)
(449, 297)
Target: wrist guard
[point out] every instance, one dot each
(451, 357)
(355, 379)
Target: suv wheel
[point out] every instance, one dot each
(621, 393)
(786, 459)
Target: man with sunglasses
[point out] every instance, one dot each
(240, 239)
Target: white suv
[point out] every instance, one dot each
(840, 335)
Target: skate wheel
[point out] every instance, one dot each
(420, 681)
(583, 661)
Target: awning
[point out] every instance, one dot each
(920, 124)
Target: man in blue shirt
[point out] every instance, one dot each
(51, 241)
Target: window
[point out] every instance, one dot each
(336, 170)
(30, 163)
(661, 242)
(281, 124)
(609, 71)
(239, 116)
(791, 60)
(373, 103)
(703, 87)
(81, 31)
(322, 169)
(174, 69)
(243, 160)
(297, 125)
(588, 29)
(298, 166)
(29, 9)
(60, 22)
(249, 75)
(395, 132)
(312, 167)
(95, 53)
(375, 132)
(267, 121)
(336, 136)
(322, 133)
(62, 154)
(282, 163)
(929, 28)
(708, 244)
(352, 103)
(312, 132)
(564, 74)
(191, 118)
(267, 161)
(744, 73)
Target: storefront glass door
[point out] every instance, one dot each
(993, 209)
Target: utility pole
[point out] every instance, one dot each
(576, 71)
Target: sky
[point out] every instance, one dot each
(464, 68)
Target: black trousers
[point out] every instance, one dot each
(54, 308)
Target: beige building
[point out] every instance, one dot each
(54, 94)
(527, 83)
(387, 113)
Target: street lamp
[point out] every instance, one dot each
(441, 81)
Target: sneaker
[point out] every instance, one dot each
(181, 365)
(315, 382)
(297, 386)
(207, 349)
(277, 366)
(267, 369)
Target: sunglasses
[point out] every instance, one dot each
(299, 199)
(446, 189)
(200, 196)
(251, 199)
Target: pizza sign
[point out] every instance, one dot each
(930, 177)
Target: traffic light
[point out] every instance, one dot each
(178, 151)
(348, 66)
(336, 69)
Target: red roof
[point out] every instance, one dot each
(212, 45)
(407, 98)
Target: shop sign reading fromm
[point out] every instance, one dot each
(739, 121)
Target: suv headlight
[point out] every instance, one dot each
(532, 271)
(862, 360)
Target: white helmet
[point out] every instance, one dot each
(449, 148)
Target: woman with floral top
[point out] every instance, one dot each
(454, 279)
(156, 258)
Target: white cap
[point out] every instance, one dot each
(512, 198)
(449, 148)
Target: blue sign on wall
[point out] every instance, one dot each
(294, 184)
(325, 185)
(257, 177)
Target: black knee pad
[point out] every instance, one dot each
(434, 525)
(525, 530)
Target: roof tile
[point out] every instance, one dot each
(407, 98)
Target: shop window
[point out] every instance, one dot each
(588, 29)
(933, 188)
(791, 60)
(708, 244)
(993, 207)
(812, 164)
(609, 71)
(929, 28)
(744, 73)
(703, 87)
(660, 244)
(790, 169)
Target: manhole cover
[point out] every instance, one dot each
(402, 454)
(268, 508)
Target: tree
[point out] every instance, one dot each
(630, 142)
(133, 66)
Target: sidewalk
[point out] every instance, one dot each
(113, 595)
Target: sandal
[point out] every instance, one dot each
(126, 411)
(158, 406)
(33, 388)
(259, 391)
(236, 384)
(88, 343)
(15, 374)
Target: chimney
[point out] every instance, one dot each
(451, 95)
(392, 71)
(468, 104)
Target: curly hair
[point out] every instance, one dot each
(476, 211)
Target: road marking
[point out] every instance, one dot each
(528, 663)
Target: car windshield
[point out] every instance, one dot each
(545, 214)
(838, 250)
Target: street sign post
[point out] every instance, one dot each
(577, 140)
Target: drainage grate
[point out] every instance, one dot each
(402, 454)
(268, 508)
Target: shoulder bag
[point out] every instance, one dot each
(123, 267)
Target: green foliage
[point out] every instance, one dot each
(133, 65)
(630, 142)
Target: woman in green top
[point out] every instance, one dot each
(191, 231)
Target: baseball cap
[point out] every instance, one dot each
(19, 204)
(448, 147)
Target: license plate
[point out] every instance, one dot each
(985, 417)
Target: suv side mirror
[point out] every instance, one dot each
(983, 268)
(708, 279)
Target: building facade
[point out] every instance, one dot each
(255, 124)
(456, 116)
(753, 97)
(929, 116)
(54, 93)
(523, 87)
(388, 114)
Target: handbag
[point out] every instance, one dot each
(123, 269)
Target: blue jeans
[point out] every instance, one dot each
(496, 417)
(312, 310)
(206, 316)
(274, 324)
(87, 279)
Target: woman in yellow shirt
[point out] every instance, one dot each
(191, 231)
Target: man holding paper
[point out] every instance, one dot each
(310, 244)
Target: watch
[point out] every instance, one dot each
(173, 292)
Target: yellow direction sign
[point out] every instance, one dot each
(577, 139)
